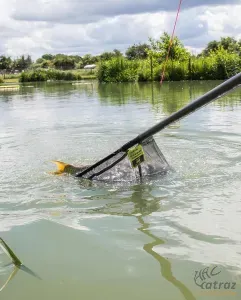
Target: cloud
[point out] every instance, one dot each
(89, 38)
(127, 29)
(80, 27)
(83, 12)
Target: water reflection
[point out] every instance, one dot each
(168, 98)
(11, 276)
(165, 265)
(16, 263)
(144, 203)
(15, 271)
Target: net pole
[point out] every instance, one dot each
(213, 94)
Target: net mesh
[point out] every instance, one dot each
(118, 168)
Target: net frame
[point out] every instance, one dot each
(118, 167)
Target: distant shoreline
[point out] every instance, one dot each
(16, 81)
(117, 71)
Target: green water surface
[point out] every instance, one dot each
(117, 241)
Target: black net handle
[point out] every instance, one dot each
(218, 91)
(108, 167)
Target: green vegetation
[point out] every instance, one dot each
(50, 74)
(53, 74)
(219, 65)
(7, 64)
(220, 60)
(118, 70)
(141, 62)
(137, 51)
(1, 79)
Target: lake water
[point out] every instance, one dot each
(117, 241)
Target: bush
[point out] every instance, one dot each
(118, 70)
(1, 79)
(219, 65)
(50, 74)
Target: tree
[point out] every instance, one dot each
(23, 63)
(230, 44)
(212, 46)
(5, 63)
(48, 56)
(28, 61)
(46, 64)
(160, 48)
(117, 52)
(40, 60)
(107, 55)
(64, 62)
(76, 58)
(227, 43)
(88, 59)
(137, 51)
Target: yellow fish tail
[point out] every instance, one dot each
(61, 167)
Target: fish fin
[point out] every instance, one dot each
(60, 167)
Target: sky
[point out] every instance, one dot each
(79, 27)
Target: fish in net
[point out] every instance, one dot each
(119, 167)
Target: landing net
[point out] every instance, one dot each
(120, 168)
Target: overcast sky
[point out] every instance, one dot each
(36, 27)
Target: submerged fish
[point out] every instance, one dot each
(120, 172)
(63, 167)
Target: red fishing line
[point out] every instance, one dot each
(179, 8)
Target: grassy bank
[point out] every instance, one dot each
(50, 74)
(214, 67)
(9, 78)
(53, 74)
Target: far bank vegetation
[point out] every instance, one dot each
(141, 62)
